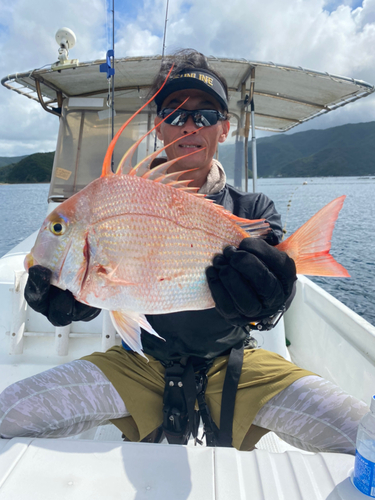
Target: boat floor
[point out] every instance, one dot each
(72, 469)
(270, 442)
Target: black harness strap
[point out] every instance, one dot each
(190, 393)
(175, 418)
(179, 416)
(228, 399)
(211, 431)
(183, 387)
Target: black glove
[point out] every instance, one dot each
(59, 306)
(250, 283)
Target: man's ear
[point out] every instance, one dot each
(157, 121)
(225, 130)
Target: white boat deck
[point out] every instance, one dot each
(78, 470)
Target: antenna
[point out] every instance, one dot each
(162, 54)
(109, 68)
(113, 75)
(66, 40)
(165, 30)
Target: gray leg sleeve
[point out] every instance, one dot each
(59, 402)
(315, 415)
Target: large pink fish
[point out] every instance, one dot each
(138, 242)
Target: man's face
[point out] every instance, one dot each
(204, 137)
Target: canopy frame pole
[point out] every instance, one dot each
(253, 134)
(148, 139)
(246, 149)
(240, 153)
(254, 148)
(244, 121)
(249, 102)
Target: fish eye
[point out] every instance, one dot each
(57, 227)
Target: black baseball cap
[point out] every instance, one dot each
(201, 79)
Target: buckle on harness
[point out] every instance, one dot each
(179, 416)
(183, 387)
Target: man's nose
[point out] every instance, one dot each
(189, 126)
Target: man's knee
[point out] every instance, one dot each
(9, 403)
(252, 437)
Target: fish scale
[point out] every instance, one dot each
(133, 195)
(171, 258)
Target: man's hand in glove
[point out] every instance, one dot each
(250, 283)
(59, 306)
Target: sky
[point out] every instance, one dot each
(325, 35)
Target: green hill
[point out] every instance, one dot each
(348, 150)
(338, 151)
(8, 160)
(31, 169)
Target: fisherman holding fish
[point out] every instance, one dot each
(196, 350)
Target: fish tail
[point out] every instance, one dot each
(309, 246)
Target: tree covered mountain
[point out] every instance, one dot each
(31, 169)
(347, 150)
(8, 160)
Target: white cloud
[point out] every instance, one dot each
(325, 35)
(137, 42)
(27, 41)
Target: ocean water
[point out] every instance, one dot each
(23, 208)
(353, 239)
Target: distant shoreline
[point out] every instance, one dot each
(364, 177)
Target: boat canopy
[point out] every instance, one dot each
(284, 96)
(262, 95)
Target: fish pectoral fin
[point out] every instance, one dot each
(129, 324)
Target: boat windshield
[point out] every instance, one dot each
(84, 136)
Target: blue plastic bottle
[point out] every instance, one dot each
(364, 467)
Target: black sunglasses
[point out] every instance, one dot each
(201, 117)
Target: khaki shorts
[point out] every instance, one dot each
(140, 384)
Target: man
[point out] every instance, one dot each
(251, 284)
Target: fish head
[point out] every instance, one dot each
(61, 244)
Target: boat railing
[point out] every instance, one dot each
(62, 335)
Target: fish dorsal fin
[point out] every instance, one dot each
(257, 228)
(106, 170)
(159, 174)
(142, 169)
(144, 165)
(125, 164)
